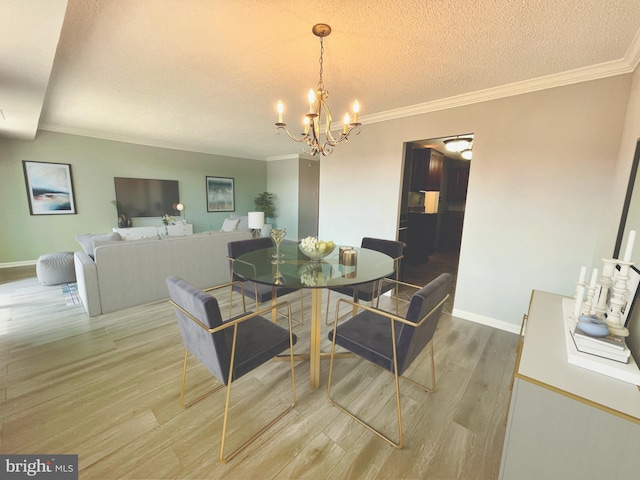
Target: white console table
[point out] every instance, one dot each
(135, 233)
(566, 422)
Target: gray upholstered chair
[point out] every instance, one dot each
(369, 291)
(260, 293)
(228, 349)
(392, 342)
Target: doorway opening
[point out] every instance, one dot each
(432, 206)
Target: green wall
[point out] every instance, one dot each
(94, 163)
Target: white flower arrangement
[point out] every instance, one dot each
(168, 219)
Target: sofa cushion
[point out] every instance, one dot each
(86, 240)
(230, 224)
(244, 221)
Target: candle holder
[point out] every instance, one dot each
(588, 308)
(618, 300)
(606, 280)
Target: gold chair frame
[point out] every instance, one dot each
(393, 318)
(378, 283)
(234, 324)
(255, 288)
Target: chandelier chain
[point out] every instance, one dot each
(320, 82)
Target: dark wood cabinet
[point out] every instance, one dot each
(426, 170)
(450, 231)
(457, 184)
(421, 237)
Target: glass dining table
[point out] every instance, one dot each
(293, 269)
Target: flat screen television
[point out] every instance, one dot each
(143, 197)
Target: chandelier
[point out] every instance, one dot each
(319, 113)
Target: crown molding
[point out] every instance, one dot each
(595, 72)
(139, 141)
(292, 156)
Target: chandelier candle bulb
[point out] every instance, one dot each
(346, 123)
(280, 111)
(356, 110)
(312, 100)
(629, 249)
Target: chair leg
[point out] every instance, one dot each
(184, 378)
(432, 388)
(256, 435)
(326, 316)
(352, 415)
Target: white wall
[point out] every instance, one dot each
(630, 137)
(540, 185)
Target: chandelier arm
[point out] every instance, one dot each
(291, 136)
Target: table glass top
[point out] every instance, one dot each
(298, 271)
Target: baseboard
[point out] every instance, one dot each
(26, 263)
(488, 321)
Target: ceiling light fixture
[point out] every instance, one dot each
(319, 111)
(458, 144)
(466, 154)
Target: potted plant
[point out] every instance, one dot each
(264, 203)
(123, 219)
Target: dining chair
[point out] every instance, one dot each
(392, 342)
(260, 293)
(228, 348)
(369, 291)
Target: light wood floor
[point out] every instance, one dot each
(107, 389)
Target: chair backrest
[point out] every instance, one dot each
(412, 340)
(212, 349)
(392, 248)
(240, 247)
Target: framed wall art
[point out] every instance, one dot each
(220, 194)
(49, 188)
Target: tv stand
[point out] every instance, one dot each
(136, 233)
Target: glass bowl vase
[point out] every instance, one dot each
(315, 254)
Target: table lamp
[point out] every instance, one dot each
(256, 222)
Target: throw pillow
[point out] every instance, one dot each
(230, 225)
(244, 221)
(86, 240)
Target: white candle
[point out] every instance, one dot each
(594, 277)
(578, 305)
(356, 110)
(583, 274)
(346, 123)
(629, 249)
(280, 111)
(312, 99)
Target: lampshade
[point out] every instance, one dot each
(256, 220)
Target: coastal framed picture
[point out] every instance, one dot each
(49, 188)
(220, 194)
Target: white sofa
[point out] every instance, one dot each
(124, 274)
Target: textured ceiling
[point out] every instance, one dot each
(206, 75)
